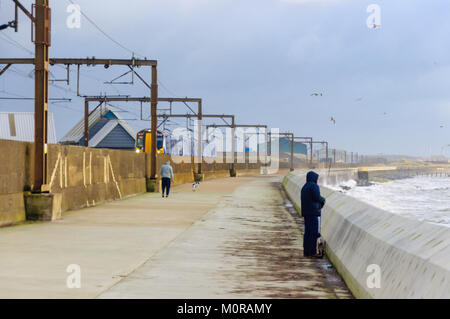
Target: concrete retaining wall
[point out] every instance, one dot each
(85, 176)
(413, 256)
(15, 173)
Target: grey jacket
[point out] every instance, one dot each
(166, 170)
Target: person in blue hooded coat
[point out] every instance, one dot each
(312, 204)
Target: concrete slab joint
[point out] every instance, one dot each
(43, 207)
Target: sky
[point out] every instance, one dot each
(387, 88)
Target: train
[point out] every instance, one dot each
(144, 142)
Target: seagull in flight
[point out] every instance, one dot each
(358, 99)
(317, 94)
(375, 26)
(332, 119)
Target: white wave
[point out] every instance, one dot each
(423, 198)
(346, 185)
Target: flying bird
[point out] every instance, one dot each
(316, 94)
(376, 26)
(442, 126)
(333, 120)
(358, 99)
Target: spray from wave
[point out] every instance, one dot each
(423, 198)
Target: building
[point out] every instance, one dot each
(285, 146)
(106, 130)
(19, 126)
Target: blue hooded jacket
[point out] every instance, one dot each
(312, 202)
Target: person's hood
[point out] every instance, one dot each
(167, 163)
(312, 177)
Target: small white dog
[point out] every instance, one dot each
(195, 186)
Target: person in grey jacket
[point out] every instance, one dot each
(166, 176)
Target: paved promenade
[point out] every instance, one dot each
(232, 239)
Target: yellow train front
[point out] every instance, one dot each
(144, 142)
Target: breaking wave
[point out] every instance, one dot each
(423, 198)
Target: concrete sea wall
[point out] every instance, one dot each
(84, 177)
(413, 257)
(15, 173)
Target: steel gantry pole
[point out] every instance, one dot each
(86, 123)
(145, 99)
(199, 138)
(41, 62)
(199, 116)
(233, 148)
(154, 121)
(326, 149)
(292, 152)
(292, 146)
(234, 126)
(310, 146)
(233, 145)
(232, 117)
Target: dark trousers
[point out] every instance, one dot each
(310, 236)
(165, 181)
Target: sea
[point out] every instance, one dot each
(425, 198)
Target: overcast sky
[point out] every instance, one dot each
(388, 88)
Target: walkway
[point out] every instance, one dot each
(231, 239)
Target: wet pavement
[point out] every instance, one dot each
(107, 242)
(248, 246)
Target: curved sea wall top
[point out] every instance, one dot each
(379, 254)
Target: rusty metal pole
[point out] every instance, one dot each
(41, 62)
(292, 152)
(334, 155)
(86, 123)
(199, 137)
(154, 124)
(265, 145)
(292, 147)
(233, 126)
(310, 146)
